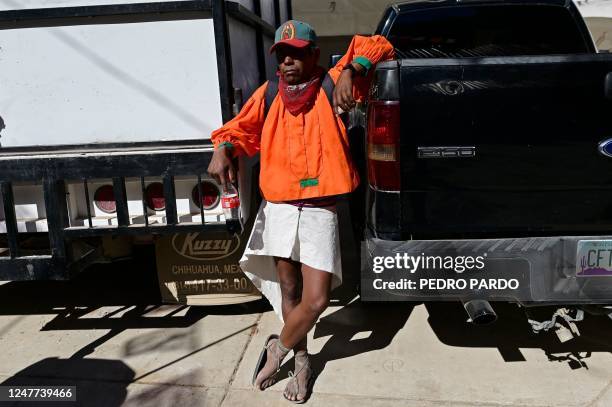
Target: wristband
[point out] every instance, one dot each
(365, 62)
(350, 67)
(226, 144)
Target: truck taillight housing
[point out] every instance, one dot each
(104, 199)
(211, 195)
(383, 145)
(154, 196)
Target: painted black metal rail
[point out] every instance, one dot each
(55, 170)
(49, 13)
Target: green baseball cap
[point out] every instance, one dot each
(295, 33)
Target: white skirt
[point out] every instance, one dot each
(309, 236)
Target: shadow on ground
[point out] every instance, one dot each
(95, 390)
(131, 284)
(364, 327)
(130, 289)
(512, 331)
(355, 329)
(64, 372)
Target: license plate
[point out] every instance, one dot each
(594, 258)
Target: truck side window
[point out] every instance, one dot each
(491, 30)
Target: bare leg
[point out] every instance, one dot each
(290, 279)
(315, 298)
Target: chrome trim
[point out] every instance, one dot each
(446, 152)
(382, 190)
(602, 145)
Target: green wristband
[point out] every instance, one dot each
(226, 144)
(365, 62)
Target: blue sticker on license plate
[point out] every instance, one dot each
(594, 258)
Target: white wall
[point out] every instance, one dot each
(595, 8)
(340, 17)
(26, 4)
(601, 31)
(598, 17)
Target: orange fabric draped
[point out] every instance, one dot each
(303, 156)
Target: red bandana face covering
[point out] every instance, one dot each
(301, 97)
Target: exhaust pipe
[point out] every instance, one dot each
(480, 312)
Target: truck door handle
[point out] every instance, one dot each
(608, 86)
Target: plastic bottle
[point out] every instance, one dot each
(230, 202)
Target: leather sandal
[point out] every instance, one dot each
(261, 362)
(295, 384)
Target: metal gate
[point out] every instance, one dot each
(55, 169)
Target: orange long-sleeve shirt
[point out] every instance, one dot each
(303, 156)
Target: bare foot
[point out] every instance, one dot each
(297, 388)
(274, 356)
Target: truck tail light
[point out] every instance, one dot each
(104, 199)
(383, 145)
(211, 195)
(154, 196)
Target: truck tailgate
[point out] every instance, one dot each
(529, 130)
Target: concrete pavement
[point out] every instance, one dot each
(104, 334)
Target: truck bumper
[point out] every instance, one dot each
(551, 270)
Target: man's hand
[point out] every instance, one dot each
(343, 92)
(221, 167)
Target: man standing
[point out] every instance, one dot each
(293, 253)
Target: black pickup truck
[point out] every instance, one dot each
(490, 136)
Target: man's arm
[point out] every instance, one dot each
(241, 135)
(343, 92)
(363, 54)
